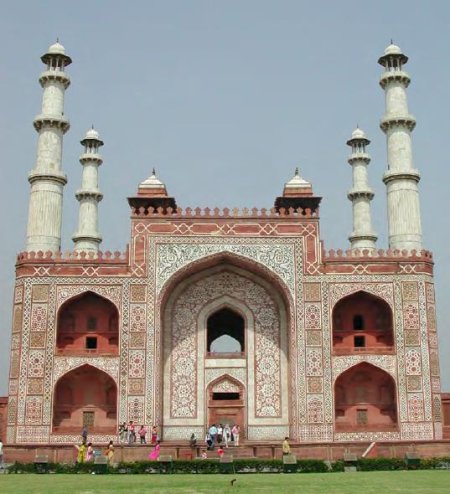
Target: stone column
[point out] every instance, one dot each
(88, 238)
(363, 236)
(47, 178)
(401, 178)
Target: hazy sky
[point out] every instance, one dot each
(225, 99)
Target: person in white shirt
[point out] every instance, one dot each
(1, 453)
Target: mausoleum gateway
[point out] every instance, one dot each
(228, 315)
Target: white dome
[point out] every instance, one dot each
(57, 49)
(152, 182)
(393, 50)
(358, 134)
(92, 134)
(297, 181)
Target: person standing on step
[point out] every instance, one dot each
(1, 453)
(236, 430)
(286, 447)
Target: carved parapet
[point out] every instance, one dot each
(70, 257)
(370, 254)
(218, 213)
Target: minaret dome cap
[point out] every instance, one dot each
(358, 135)
(57, 49)
(92, 135)
(392, 51)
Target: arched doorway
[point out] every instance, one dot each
(365, 400)
(88, 324)
(362, 323)
(85, 396)
(225, 301)
(226, 402)
(225, 333)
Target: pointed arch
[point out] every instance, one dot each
(87, 323)
(85, 396)
(362, 323)
(365, 400)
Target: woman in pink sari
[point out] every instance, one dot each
(154, 455)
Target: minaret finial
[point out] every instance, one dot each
(154, 171)
(296, 171)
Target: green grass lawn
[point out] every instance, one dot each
(407, 482)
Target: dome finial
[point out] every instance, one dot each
(154, 172)
(296, 171)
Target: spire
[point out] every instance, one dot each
(88, 238)
(47, 178)
(360, 194)
(401, 178)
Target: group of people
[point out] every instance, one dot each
(222, 435)
(86, 452)
(128, 434)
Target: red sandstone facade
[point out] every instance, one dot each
(330, 347)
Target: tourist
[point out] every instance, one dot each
(193, 441)
(236, 431)
(131, 432)
(90, 452)
(154, 435)
(84, 435)
(154, 454)
(109, 453)
(219, 433)
(220, 452)
(213, 434)
(226, 434)
(123, 433)
(286, 447)
(81, 452)
(142, 432)
(204, 455)
(1, 453)
(209, 441)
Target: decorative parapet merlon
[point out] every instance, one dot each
(380, 254)
(72, 257)
(223, 213)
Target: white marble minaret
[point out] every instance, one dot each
(401, 178)
(47, 178)
(363, 236)
(88, 238)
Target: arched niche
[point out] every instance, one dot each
(85, 396)
(225, 333)
(226, 402)
(365, 399)
(88, 324)
(362, 323)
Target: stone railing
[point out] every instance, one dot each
(375, 350)
(350, 255)
(74, 256)
(223, 213)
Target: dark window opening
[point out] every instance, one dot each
(225, 396)
(358, 322)
(91, 323)
(91, 343)
(360, 341)
(226, 331)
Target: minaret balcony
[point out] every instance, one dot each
(394, 76)
(391, 176)
(51, 121)
(54, 75)
(89, 194)
(355, 157)
(388, 122)
(91, 157)
(37, 175)
(364, 193)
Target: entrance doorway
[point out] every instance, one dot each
(226, 403)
